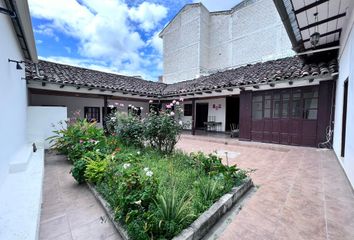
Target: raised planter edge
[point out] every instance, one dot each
(201, 225)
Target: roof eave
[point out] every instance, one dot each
(297, 46)
(23, 28)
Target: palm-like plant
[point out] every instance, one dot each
(172, 209)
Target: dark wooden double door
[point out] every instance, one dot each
(287, 116)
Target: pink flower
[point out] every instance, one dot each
(174, 101)
(168, 106)
(81, 141)
(116, 104)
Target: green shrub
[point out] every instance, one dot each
(133, 189)
(77, 138)
(95, 170)
(162, 130)
(171, 212)
(128, 128)
(78, 170)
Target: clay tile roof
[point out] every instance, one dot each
(60, 73)
(291, 68)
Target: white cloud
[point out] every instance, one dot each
(156, 42)
(102, 28)
(148, 15)
(68, 49)
(215, 5)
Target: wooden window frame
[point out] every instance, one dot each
(188, 112)
(91, 118)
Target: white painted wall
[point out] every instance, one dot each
(199, 42)
(13, 98)
(41, 121)
(346, 71)
(74, 104)
(220, 113)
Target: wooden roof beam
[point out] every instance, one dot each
(322, 21)
(307, 7)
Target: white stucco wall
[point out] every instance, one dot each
(13, 97)
(41, 121)
(74, 104)
(346, 71)
(219, 114)
(199, 42)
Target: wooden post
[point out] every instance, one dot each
(105, 103)
(193, 116)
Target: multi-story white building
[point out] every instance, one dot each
(198, 42)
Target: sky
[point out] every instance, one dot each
(117, 36)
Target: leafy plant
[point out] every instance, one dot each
(128, 128)
(162, 129)
(95, 170)
(78, 170)
(77, 138)
(172, 212)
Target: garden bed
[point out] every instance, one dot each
(153, 191)
(201, 225)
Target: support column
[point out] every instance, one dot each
(105, 105)
(245, 115)
(193, 116)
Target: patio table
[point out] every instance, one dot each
(212, 125)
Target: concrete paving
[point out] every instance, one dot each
(69, 210)
(302, 192)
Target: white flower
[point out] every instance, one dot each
(177, 103)
(174, 101)
(146, 169)
(126, 165)
(116, 104)
(149, 173)
(114, 119)
(122, 104)
(180, 122)
(151, 101)
(138, 152)
(129, 105)
(138, 202)
(141, 108)
(172, 113)
(181, 99)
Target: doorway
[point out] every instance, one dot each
(201, 115)
(344, 117)
(232, 112)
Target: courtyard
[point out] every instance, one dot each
(300, 193)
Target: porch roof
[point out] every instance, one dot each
(291, 69)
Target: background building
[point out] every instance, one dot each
(198, 42)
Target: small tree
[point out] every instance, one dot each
(162, 131)
(127, 127)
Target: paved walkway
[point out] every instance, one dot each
(69, 210)
(303, 192)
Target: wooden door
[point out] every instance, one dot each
(201, 114)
